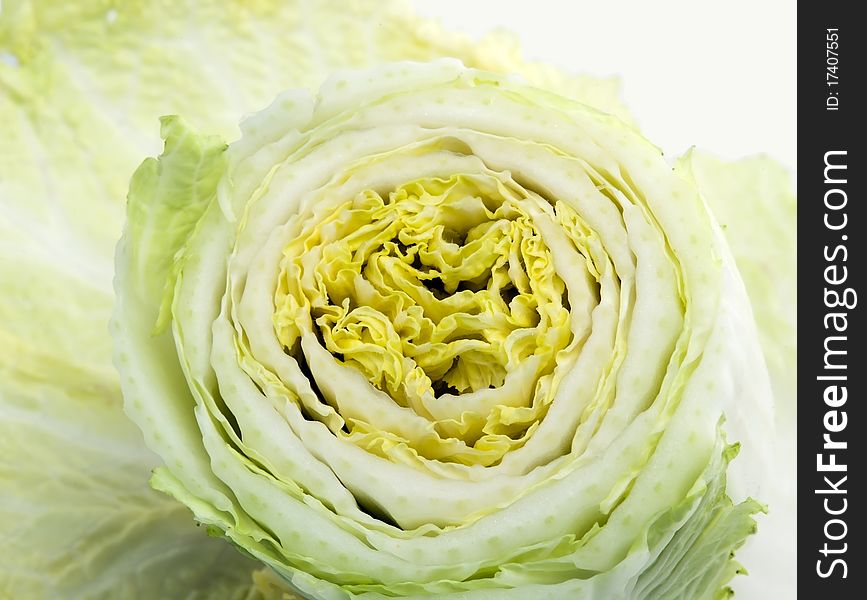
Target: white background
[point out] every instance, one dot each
(717, 75)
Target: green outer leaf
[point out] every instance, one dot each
(754, 203)
(698, 562)
(167, 197)
(77, 518)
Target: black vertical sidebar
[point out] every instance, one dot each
(832, 420)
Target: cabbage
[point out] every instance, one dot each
(438, 333)
(81, 87)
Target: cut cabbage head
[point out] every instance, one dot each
(436, 333)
